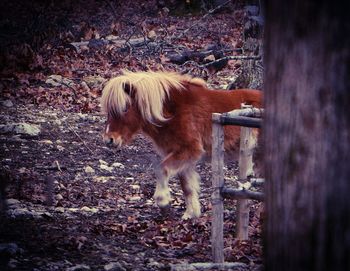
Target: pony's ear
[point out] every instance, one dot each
(129, 89)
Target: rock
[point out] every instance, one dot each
(10, 249)
(20, 212)
(20, 128)
(107, 168)
(152, 35)
(7, 103)
(102, 179)
(59, 197)
(85, 86)
(12, 202)
(94, 81)
(89, 169)
(129, 179)
(134, 199)
(112, 37)
(103, 162)
(156, 265)
(60, 148)
(79, 267)
(46, 141)
(118, 165)
(114, 266)
(135, 188)
(60, 209)
(58, 80)
(209, 58)
(88, 209)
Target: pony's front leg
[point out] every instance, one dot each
(162, 194)
(190, 185)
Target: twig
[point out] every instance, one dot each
(58, 166)
(78, 136)
(71, 129)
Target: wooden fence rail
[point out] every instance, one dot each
(248, 118)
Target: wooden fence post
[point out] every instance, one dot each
(247, 145)
(217, 235)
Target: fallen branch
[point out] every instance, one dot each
(231, 58)
(221, 62)
(241, 194)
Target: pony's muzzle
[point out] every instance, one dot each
(108, 141)
(112, 141)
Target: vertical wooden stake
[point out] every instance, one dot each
(247, 145)
(217, 232)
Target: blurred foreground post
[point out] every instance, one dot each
(307, 135)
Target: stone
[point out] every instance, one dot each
(7, 103)
(79, 267)
(20, 212)
(154, 264)
(102, 179)
(21, 128)
(102, 162)
(58, 80)
(46, 141)
(60, 148)
(12, 202)
(114, 266)
(10, 248)
(88, 209)
(135, 188)
(105, 167)
(118, 165)
(60, 209)
(59, 197)
(94, 81)
(134, 199)
(89, 169)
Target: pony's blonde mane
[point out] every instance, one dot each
(150, 90)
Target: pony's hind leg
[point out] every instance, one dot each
(189, 179)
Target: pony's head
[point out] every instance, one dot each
(133, 100)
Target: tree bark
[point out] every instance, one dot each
(307, 135)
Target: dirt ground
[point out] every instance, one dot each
(75, 204)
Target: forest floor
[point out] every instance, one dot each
(73, 203)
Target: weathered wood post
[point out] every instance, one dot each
(217, 235)
(247, 145)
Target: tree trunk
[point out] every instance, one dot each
(307, 135)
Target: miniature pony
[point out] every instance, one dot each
(175, 112)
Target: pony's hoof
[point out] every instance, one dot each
(190, 215)
(162, 199)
